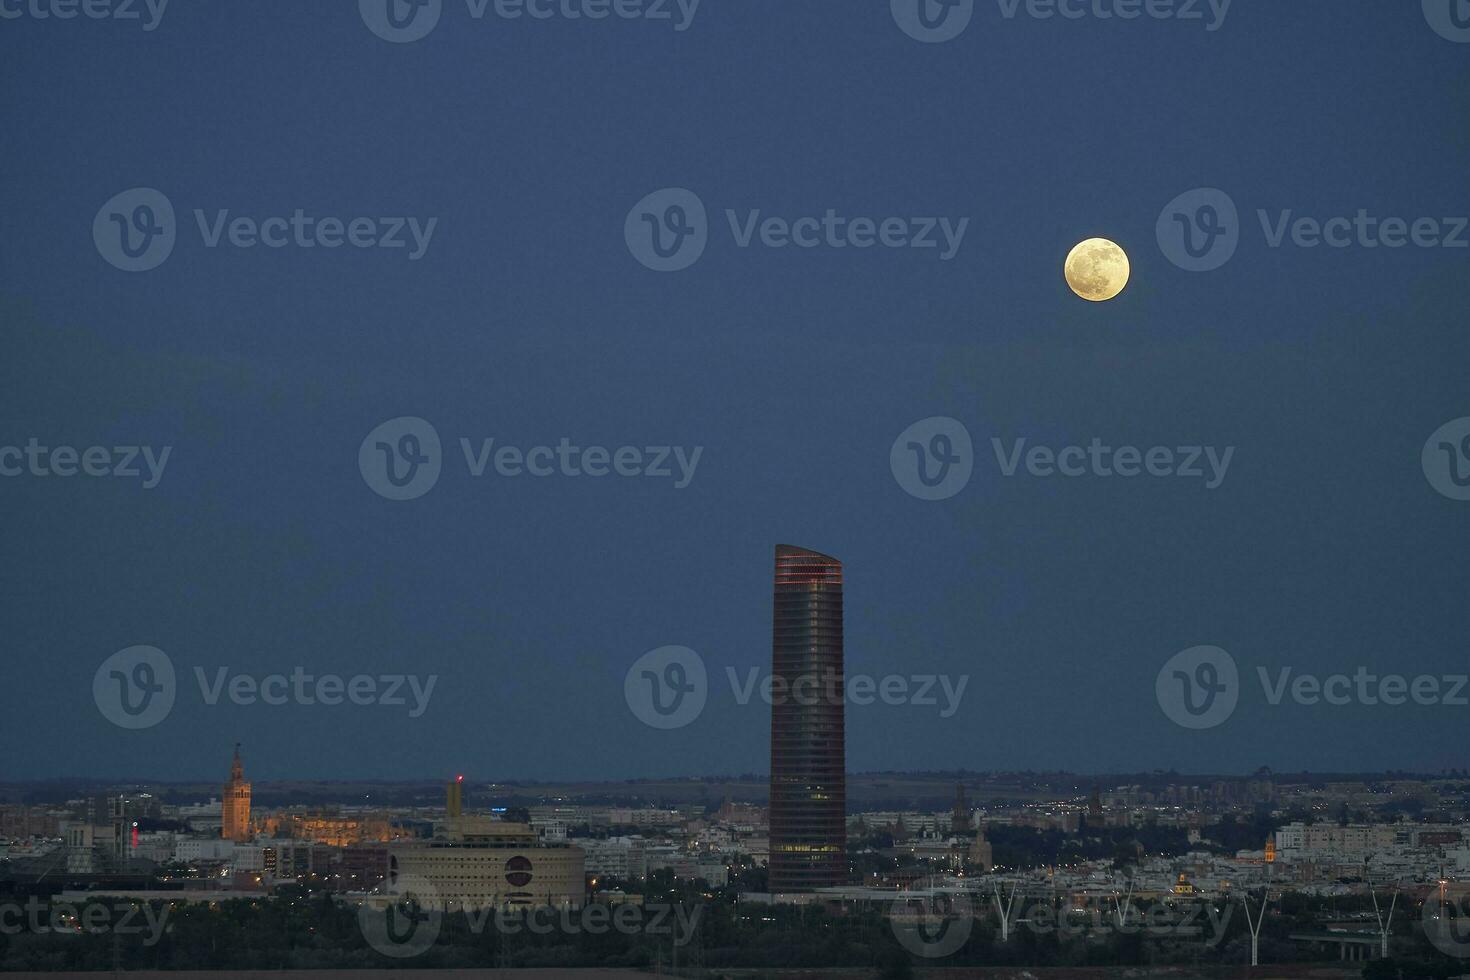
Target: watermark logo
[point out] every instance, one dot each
(331, 690)
(126, 462)
(135, 230)
(932, 926)
(403, 21)
(667, 688)
(1117, 914)
(135, 688)
(1449, 18)
(1211, 13)
(829, 687)
(119, 10)
(933, 21)
(401, 458)
(1208, 464)
(668, 230)
(678, 922)
(1199, 230)
(1199, 688)
(1363, 687)
(400, 21)
(1446, 459)
(1363, 230)
(1447, 925)
(39, 918)
(933, 459)
(407, 922)
(406, 926)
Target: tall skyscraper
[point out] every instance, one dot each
(235, 804)
(808, 813)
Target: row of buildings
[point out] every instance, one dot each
(801, 837)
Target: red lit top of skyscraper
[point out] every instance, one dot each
(799, 566)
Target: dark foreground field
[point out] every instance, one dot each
(1296, 972)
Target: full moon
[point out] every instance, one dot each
(1097, 270)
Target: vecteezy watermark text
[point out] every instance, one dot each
(1200, 230)
(934, 458)
(1211, 13)
(40, 917)
(936, 21)
(149, 13)
(1200, 688)
(300, 687)
(1363, 687)
(136, 230)
(127, 462)
(1097, 458)
(408, 923)
(402, 458)
(404, 21)
(136, 688)
(828, 688)
(668, 688)
(669, 230)
(936, 925)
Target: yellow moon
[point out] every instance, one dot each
(1097, 270)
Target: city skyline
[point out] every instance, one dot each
(734, 488)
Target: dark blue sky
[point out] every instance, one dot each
(528, 320)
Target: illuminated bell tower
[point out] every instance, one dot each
(235, 805)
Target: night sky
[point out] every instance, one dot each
(528, 319)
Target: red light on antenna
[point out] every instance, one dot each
(459, 779)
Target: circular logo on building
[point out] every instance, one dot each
(933, 458)
(135, 688)
(932, 926)
(668, 230)
(1446, 459)
(1198, 687)
(406, 921)
(518, 871)
(1199, 230)
(932, 21)
(400, 21)
(135, 231)
(401, 458)
(667, 688)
